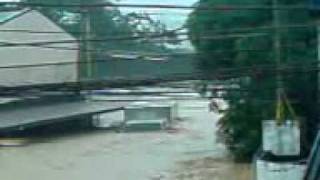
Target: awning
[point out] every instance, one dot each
(40, 115)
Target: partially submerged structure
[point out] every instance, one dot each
(146, 115)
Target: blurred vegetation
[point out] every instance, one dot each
(105, 22)
(241, 125)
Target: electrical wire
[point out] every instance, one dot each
(173, 32)
(95, 84)
(257, 70)
(138, 54)
(220, 7)
(43, 43)
(152, 37)
(112, 55)
(229, 30)
(222, 73)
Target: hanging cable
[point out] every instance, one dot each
(220, 7)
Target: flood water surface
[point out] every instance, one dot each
(189, 151)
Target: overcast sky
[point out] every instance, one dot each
(172, 18)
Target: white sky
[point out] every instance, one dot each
(172, 18)
(9, 0)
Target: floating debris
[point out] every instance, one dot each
(14, 142)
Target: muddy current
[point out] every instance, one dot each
(188, 151)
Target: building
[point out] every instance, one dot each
(27, 59)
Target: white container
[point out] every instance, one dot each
(281, 140)
(266, 170)
(157, 124)
(188, 107)
(107, 120)
(151, 111)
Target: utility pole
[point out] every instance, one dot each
(88, 45)
(277, 55)
(85, 54)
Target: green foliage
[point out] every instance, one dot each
(105, 23)
(241, 125)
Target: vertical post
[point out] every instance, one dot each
(314, 126)
(85, 31)
(277, 56)
(83, 59)
(88, 45)
(82, 56)
(318, 48)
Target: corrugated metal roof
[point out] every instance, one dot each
(39, 115)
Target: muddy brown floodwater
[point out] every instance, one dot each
(211, 168)
(188, 152)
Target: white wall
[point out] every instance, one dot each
(279, 171)
(11, 56)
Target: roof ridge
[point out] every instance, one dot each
(27, 10)
(18, 14)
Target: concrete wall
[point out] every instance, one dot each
(13, 56)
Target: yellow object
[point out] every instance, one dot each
(279, 111)
(282, 103)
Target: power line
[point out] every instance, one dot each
(45, 45)
(26, 31)
(119, 38)
(258, 68)
(221, 7)
(154, 37)
(139, 56)
(222, 73)
(90, 84)
(241, 29)
(9, 44)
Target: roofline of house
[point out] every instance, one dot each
(28, 10)
(23, 12)
(39, 10)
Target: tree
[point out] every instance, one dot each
(105, 23)
(241, 125)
